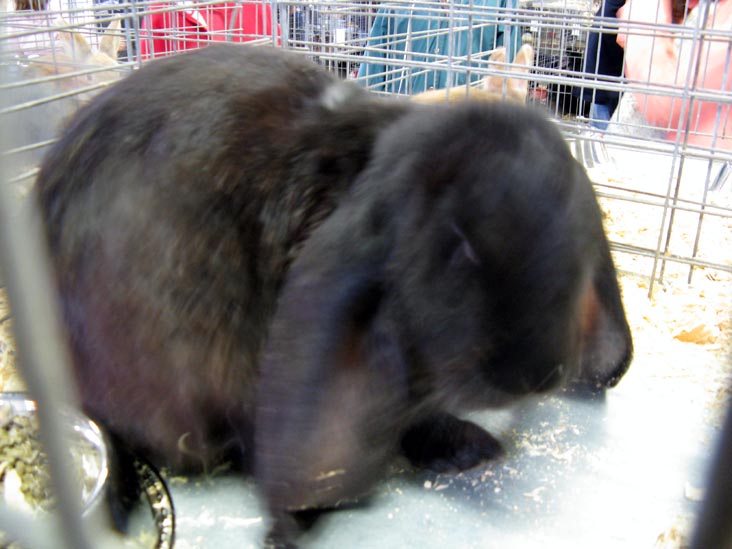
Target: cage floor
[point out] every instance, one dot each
(624, 472)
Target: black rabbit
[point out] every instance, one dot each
(257, 261)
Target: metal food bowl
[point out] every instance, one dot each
(152, 525)
(88, 450)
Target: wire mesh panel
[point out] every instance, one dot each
(559, 32)
(332, 33)
(166, 29)
(53, 60)
(661, 105)
(650, 123)
(57, 54)
(668, 95)
(641, 92)
(415, 47)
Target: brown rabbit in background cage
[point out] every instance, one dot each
(38, 108)
(491, 88)
(261, 263)
(77, 55)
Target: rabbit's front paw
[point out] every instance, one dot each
(444, 443)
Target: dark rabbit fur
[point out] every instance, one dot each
(257, 261)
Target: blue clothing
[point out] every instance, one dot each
(403, 35)
(600, 114)
(603, 57)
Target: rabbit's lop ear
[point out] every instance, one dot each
(332, 377)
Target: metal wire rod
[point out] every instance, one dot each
(42, 356)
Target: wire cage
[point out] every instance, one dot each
(642, 96)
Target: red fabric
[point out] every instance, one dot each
(164, 32)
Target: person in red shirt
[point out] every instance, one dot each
(654, 56)
(168, 31)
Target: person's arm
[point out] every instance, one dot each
(650, 57)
